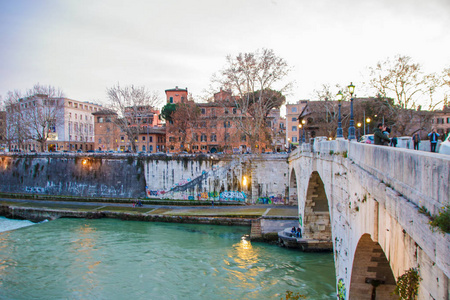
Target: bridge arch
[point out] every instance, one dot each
(293, 193)
(371, 272)
(316, 211)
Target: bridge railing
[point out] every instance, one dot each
(422, 177)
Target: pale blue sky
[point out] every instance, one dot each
(83, 47)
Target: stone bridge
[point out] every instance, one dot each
(372, 203)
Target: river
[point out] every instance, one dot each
(113, 259)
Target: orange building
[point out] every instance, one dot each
(214, 127)
(110, 137)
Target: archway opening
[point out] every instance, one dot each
(372, 277)
(317, 224)
(293, 198)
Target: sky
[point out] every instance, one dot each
(84, 47)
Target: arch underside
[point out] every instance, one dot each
(372, 277)
(293, 198)
(317, 215)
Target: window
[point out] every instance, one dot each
(122, 139)
(294, 139)
(100, 120)
(243, 137)
(76, 116)
(204, 138)
(448, 120)
(294, 128)
(294, 119)
(151, 148)
(204, 147)
(294, 109)
(203, 124)
(151, 139)
(234, 110)
(171, 100)
(213, 137)
(143, 148)
(143, 139)
(226, 111)
(100, 140)
(196, 137)
(226, 124)
(203, 111)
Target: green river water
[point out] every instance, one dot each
(113, 259)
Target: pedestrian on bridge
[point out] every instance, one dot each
(416, 140)
(433, 139)
(379, 137)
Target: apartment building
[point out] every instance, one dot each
(292, 113)
(110, 137)
(42, 123)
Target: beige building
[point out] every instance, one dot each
(64, 124)
(292, 113)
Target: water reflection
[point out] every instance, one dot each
(85, 264)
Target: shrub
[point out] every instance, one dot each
(442, 220)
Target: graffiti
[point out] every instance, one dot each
(183, 182)
(191, 198)
(341, 289)
(270, 200)
(300, 220)
(203, 196)
(35, 189)
(263, 200)
(232, 196)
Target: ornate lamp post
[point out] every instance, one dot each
(339, 132)
(299, 133)
(351, 128)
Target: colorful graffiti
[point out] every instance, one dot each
(270, 200)
(341, 289)
(232, 196)
(209, 195)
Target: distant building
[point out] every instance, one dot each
(63, 123)
(110, 137)
(441, 121)
(3, 131)
(215, 128)
(292, 113)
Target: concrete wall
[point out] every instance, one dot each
(201, 177)
(377, 191)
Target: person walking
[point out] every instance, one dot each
(416, 140)
(433, 139)
(379, 137)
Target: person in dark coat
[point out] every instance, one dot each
(379, 137)
(416, 140)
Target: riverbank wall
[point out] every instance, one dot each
(41, 214)
(242, 178)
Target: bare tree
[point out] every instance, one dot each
(251, 76)
(400, 79)
(16, 124)
(135, 106)
(44, 108)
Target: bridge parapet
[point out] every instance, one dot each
(421, 177)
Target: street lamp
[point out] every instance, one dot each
(351, 129)
(359, 128)
(303, 126)
(368, 120)
(299, 133)
(339, 133)
(289, 145)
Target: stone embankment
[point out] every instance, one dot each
(273, 217)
